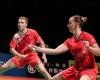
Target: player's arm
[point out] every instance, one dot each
(13, 46)
(40, 41)
(92, 45)
(93, 49)
(60, 49)
(42, 45)
(14, 52)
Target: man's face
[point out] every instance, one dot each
(22, 24)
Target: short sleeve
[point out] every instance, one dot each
(38, 39)
(91, 39)
(12, 43)
(66, 43)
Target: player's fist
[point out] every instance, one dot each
(31, 47)
(86, 43)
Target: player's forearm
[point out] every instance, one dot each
(14, 52)
(42, 45)
(95, 51)
(47, 51)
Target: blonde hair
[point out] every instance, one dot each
(84, 19)
(25, 18)
(80, 19)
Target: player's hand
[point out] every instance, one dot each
(44, 58)
(22, 56)
(51, 78)
(32, 48)
(86, 43)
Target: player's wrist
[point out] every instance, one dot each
(44, 55)
(34, 49)
(88, 46)
(19, 55)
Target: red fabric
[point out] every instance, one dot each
(73, 74)
(31, 59)
(21, 42)
(83, 58)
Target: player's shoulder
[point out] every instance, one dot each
(69, 39)
(16, 35)
(32, 31)
(86, 33)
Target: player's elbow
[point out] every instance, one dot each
(11, 50)
(56, 51)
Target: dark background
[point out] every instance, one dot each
(48, 17)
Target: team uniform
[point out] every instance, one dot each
(84, 60)
(20, 43)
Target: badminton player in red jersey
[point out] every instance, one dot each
(23, 55)
(85, 67)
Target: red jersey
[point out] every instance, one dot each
(83, 58)
(21, 41)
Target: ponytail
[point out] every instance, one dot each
(84, 19)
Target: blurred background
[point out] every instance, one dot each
(49, 19)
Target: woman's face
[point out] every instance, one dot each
(72, 25)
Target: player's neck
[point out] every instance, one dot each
(77, 34)
(23, 31)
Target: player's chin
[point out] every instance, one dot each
(20, 29)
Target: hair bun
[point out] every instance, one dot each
(84, 19)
